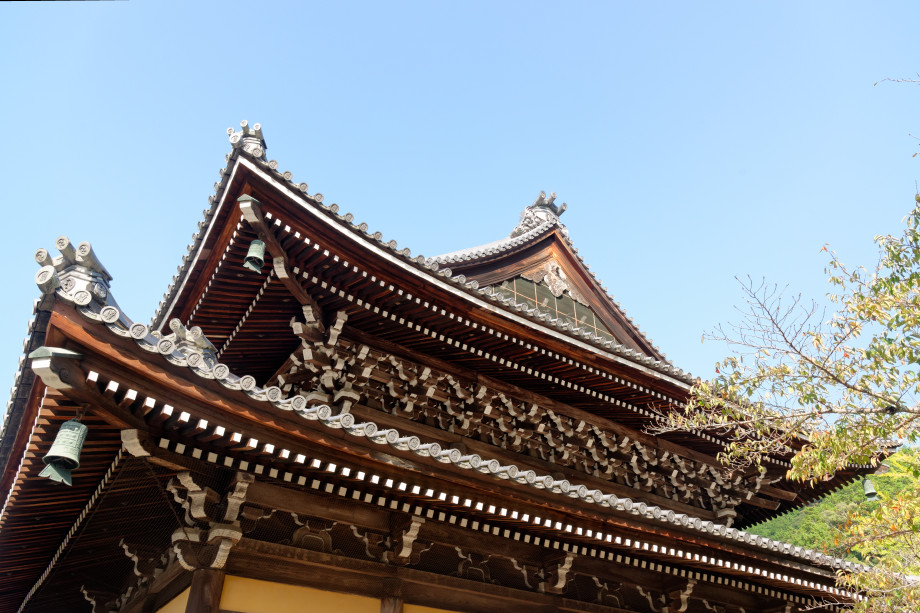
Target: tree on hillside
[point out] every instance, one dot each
(836, 386)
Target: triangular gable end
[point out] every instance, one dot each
(538, 267)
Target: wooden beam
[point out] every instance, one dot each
(391, 601)
(269, 496)
(252, 212)
(763, 503)
(776, 492)
(271, 562)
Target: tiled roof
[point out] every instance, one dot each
(189, 348)
(250, 143)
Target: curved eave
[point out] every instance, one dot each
(246, 174)
(188, 284)
(251, 413)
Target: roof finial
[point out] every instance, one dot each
(542, 211)
(543, 201)
(249, 139)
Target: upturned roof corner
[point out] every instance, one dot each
(76, 274)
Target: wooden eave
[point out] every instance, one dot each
(219, 308)
(228, 302)
(111, 359)
(39, 512)
(339, 235)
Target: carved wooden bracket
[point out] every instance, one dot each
(197, 548)
(607, 592)
(101, 601)
(556, 573)
(531, 574)
(405, 548)
(198, 502)
(332, 334)
(673, 600)
(148, 563)
(658, 603)
(375, 544)
(678, 598)
(715, 608)
(313, 534)
(207, 547)
(474, 566)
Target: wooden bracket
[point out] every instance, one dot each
(405, 547)
(557, 574)
(99, 599)
(678, 598)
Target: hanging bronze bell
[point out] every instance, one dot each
(869, 491)
(64, 455)
(255, 257)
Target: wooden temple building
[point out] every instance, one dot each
(340, 425)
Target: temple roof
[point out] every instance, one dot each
(537, 221)
(188, 349)
(412, 324)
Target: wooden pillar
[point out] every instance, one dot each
(204, 595)
(391, 601)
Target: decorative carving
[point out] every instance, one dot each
(147, 564)
(405, 548)
(336, 328)
(658, 604)
(672, 601)
(474, 566)
(552, 275)
(350, 373)
(375, 546)
(530, 574)
(540, 212)
(196, 548)
(54, 366)
(250, 140)
(607, 592)
(678, 597)
(557, 574)
(102, 602)
(207, 547)
(313, 534)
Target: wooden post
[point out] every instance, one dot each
(391, 601)
(204, 595)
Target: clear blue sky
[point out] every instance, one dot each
(692, 141)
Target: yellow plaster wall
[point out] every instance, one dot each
(177, 604)
(255, 596)
(414, 608)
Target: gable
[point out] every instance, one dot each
(538, 268)
(546, 289)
